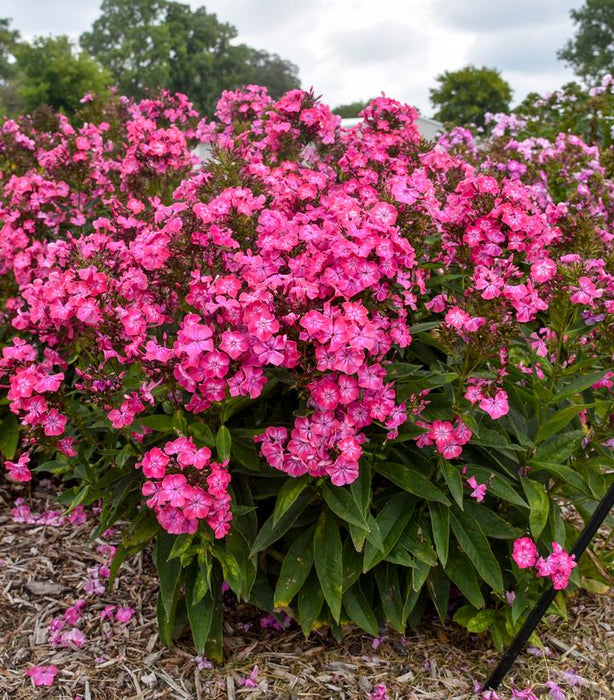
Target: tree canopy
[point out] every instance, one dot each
(464, 96)
(47, 71)
(350, 110)
(591, 51)
(147, 44)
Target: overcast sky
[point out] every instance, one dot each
(355, 49)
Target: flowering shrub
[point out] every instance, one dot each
(339, 370)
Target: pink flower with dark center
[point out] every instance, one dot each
(215, 363)
(343, 471)
(154, 463)
(234, 344)
(325, 394)
(174, 490)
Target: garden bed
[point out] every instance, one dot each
(43, 570)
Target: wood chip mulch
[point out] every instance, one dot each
(43, 570)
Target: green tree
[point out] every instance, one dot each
(351, 109)
(591, 52)
(464, 96)
(9, 40)
(147, 44)
(49, 71)
(276, 73)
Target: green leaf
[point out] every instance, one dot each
(559, 448)
(215, 637)
(454, 482)
(411, 481)
(475, 545)
(499, 485)
(237, 545)
(359, 610)
(558, 421)
(419, 575)
(159, 423)
(271, 532)
(223, 442)
(180, 545)
(310, 601)
(464, 614)
(462, 574)
(327, 556)
(578, 385)
(415, 539)
(352, 565)
(539, 504)
(202, 432)
(289, 492)
(202, 582)
(295, 569)
(169, 572)
(9, 436)
(422, 327)
(391, 521)
(387, 579)
(166, 620)
(440, 524)
(144, 528)
(245, 454)
(566, 474)
(343, 505)
(361, 488)
(490, 523)
(481, 621)
(200, 616)
(231, 570)
(439, 589)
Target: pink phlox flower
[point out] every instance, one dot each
(107, 612)
(543, 270)
(525, 552)
(496, 406)
(78, 516)
(42, 675)
(74, 613)
(555, 691)
(478, 490)
(380, 692)
(586, 291)
(19, 470)
(251, 681)
(74, 637)
(124, 614)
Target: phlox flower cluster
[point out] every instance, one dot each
(184, 486)
(557, 566)
(135, 277)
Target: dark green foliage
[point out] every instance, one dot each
(148, 44)
(591, 51)
(464, 96)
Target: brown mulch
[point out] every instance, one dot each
(43, 570)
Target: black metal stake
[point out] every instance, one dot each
(587, 534)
